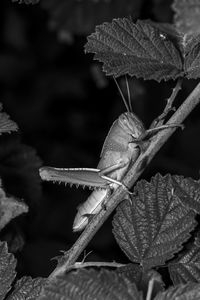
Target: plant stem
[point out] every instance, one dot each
(70, 256)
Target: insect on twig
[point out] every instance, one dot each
(126, 139)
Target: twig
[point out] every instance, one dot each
(159, 121)
(79, 265)
(70, 257)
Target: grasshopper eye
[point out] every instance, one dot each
(123, 119)
(131, 124)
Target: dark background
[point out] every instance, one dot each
(64, 106)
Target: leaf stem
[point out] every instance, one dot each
(79, 265)
(70, 256)
(150, 289)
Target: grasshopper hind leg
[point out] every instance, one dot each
(106, 171)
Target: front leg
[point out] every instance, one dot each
(140, 141)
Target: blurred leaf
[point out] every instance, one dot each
(187, 267)
(80, 17)
(7, 270)
(13, 68)
(14, 239)
(14, 35)
(90, 284)
(27, 1)
(155, 224)
(187, 14)
(187, 22)
(6, 125)
(10, 208)
(139, 49)
(162, 10)
(190, 291)
(101, 81)
(19, 166)
(27, 289)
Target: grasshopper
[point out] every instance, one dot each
(122, 147)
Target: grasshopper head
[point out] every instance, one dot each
(131, 124)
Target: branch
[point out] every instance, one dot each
(159, 120)
(157, 141)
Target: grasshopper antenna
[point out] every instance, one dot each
(123, 98)
(129, 94)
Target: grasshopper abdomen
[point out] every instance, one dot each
(90, 207)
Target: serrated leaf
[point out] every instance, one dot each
(141, 278)
(27, 289)
(154, 225)
(7, 270)
(139, 49)
(187, 14)
(133, 272)
(91, 284)
(192, 59)
(6, 125)
(186, 268)
(188, 191)
(189, 291)
(10, 208)
(80, 17)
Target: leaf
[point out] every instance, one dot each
(26, 1)
(161, 10)
(19, 166)
(133, 272)
(186, 19)
(155, 224)
(91, 284)
(80, 17)
(139, 49)
(6, 125)
(189, 291)
(7, 270)
(186, 268)
(10, 208)
(188, 191)
(27, 289)
(141, 278)
(187, 14)
(14, 239)
(192, 59)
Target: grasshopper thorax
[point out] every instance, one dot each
(131, 124)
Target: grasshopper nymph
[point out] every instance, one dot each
(121, 149)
